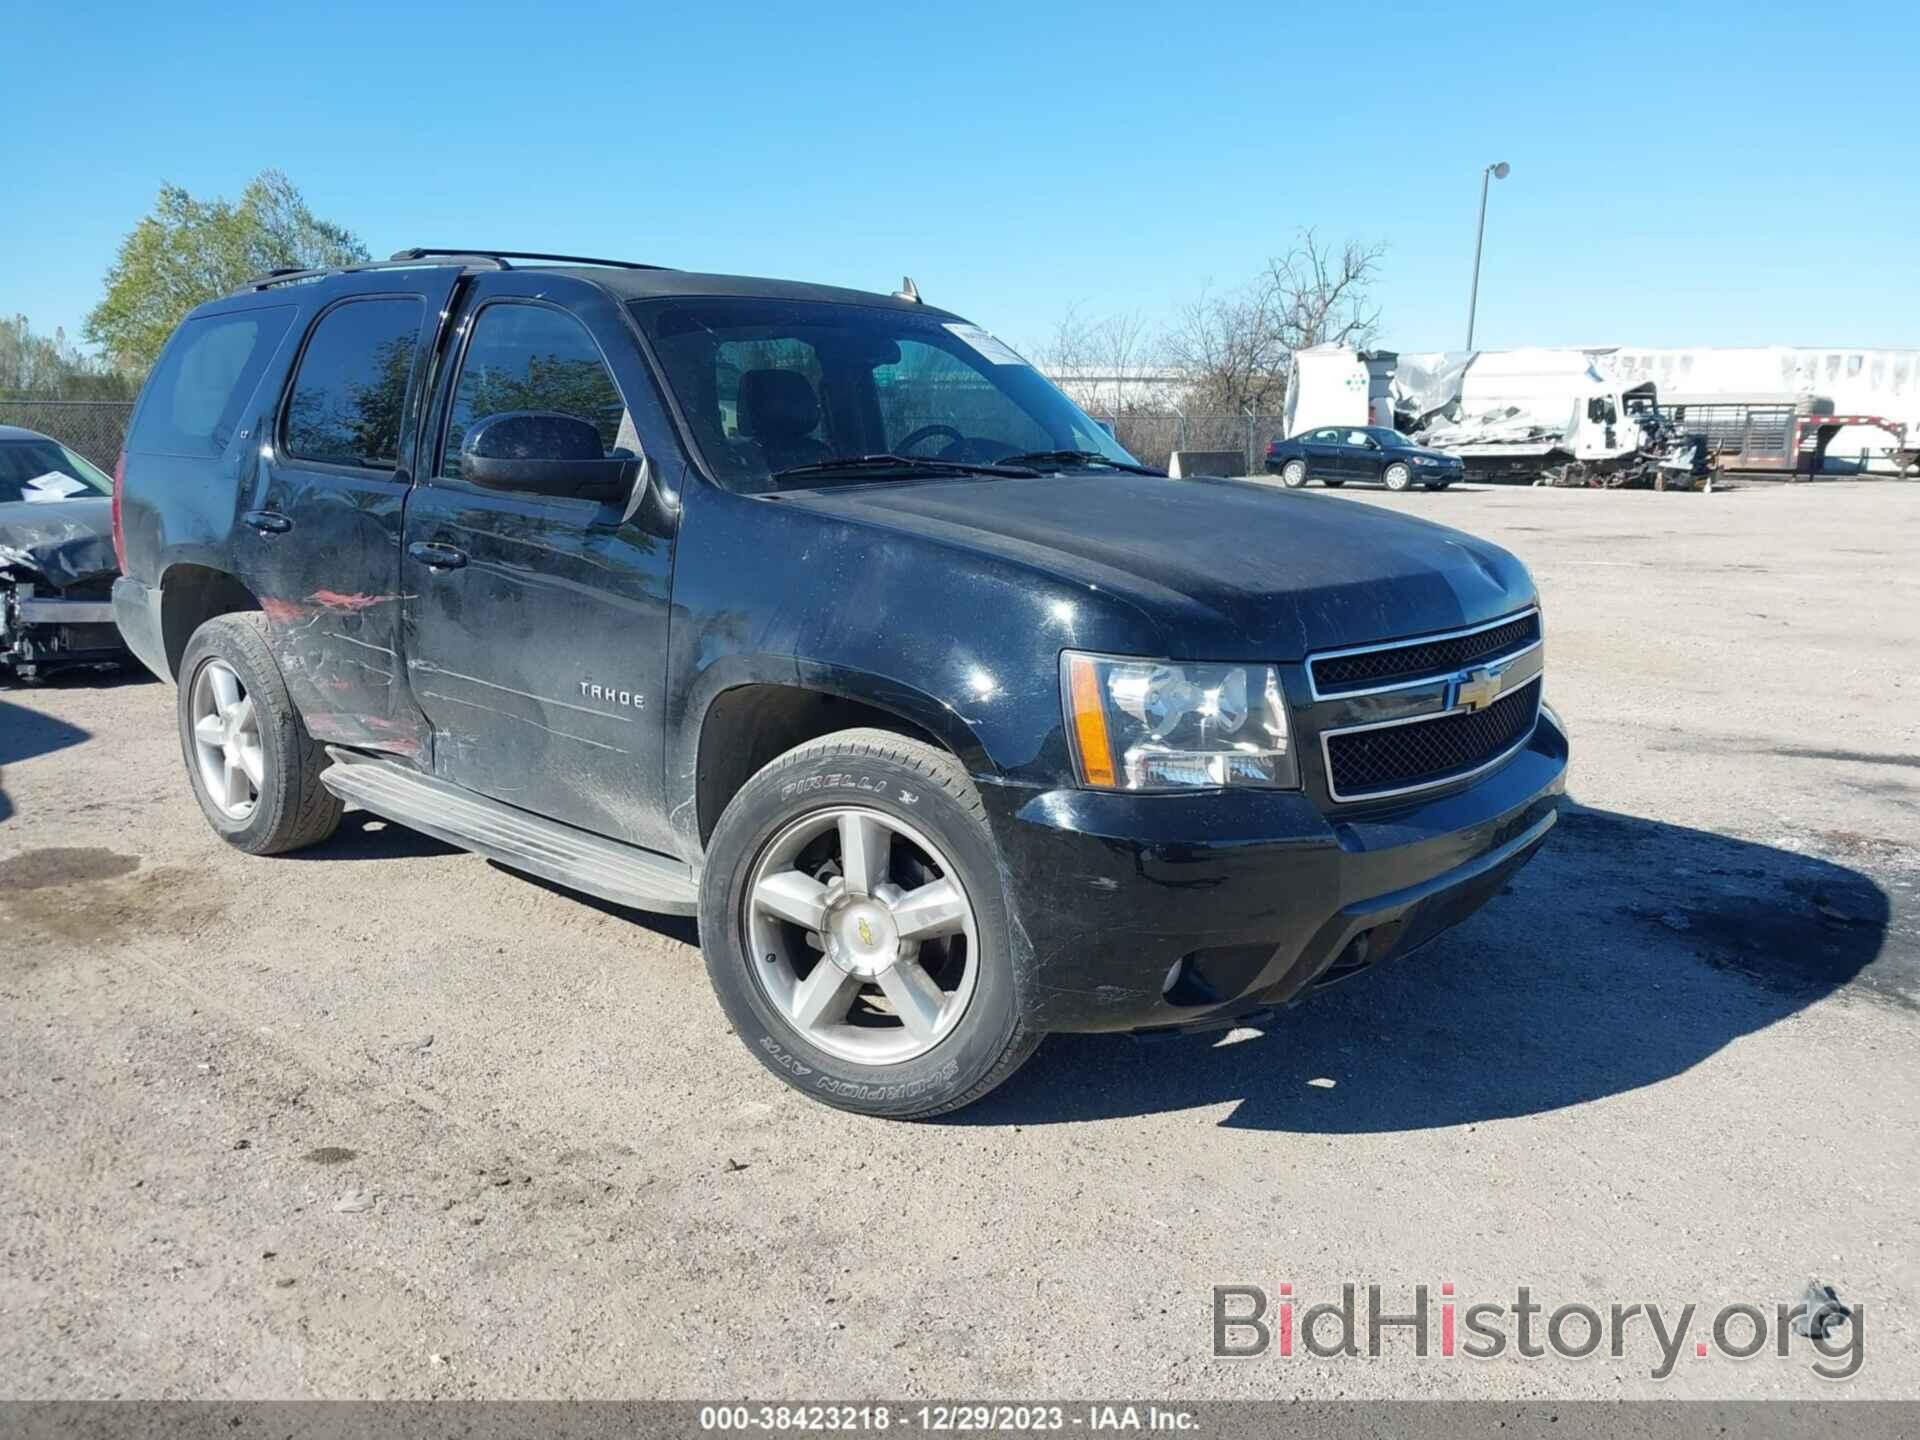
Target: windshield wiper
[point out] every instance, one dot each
(1078, 457)
(919, 464)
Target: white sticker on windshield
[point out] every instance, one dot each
(53, 486)
(989, 348)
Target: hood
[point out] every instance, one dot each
(60, 541)
(1228, 570)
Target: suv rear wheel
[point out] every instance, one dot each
(254, 768)
(855, 931)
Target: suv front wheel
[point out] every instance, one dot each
(855, 930)
(254, 768)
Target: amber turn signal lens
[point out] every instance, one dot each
(1090, 722)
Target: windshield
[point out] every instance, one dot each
(46, 470)
(1391, 438)
(770, 386)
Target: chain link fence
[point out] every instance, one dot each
(94, 428)
(1153, 437)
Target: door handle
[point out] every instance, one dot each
(268, 522)
(437, 557)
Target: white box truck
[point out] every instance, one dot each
(1557, 415)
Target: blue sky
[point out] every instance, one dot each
(1668, 178)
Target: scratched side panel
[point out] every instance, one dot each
(540, 661)
(330, 588)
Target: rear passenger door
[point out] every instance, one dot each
(1323, 453)
(322, 528)
(536, 635)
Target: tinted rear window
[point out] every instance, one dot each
(193, 399)
(351, 387)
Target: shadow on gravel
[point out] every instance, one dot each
(113, 675)
(1627, 952)
(26, 733)
(365, 836)
(682, 928)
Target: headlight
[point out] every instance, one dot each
(1163, 725)
(1425, 460)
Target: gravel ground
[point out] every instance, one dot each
(385, 1120)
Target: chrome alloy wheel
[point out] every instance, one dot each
(226, 740)
(862, 935)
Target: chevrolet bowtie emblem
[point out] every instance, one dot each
(1477, 689)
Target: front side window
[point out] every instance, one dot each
(771, 386)
(192, 402)
(533, 358)
(350, 392)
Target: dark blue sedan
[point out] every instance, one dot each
(1336, 454)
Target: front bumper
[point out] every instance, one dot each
(1258, 896)
(41, 631)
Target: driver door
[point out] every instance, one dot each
(536, 625)
(1360, 456)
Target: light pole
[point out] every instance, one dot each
(1498, 171)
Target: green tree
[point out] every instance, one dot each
(188, 251)
(46, 366)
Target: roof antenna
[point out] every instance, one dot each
(907, 292)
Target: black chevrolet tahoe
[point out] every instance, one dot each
(825, 617)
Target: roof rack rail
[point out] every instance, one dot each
(421, 252)
(427, 254)
(294, 274)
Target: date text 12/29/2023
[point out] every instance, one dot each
(961, 1418)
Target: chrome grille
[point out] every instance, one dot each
(1350, 672)
(1369, 762)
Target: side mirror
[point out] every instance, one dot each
(540, 453)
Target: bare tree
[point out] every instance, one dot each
(1238, 347)
(1324, 298)
(1107, 365)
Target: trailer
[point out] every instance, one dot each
(1814, 433)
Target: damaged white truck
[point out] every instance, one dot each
(1536, 416)
(57, 564)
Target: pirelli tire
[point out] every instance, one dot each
(254, 768)
(819, 876)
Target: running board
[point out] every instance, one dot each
(624, 874)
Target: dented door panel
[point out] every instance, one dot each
(536, 647)
(320, 540)
(540, 660)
